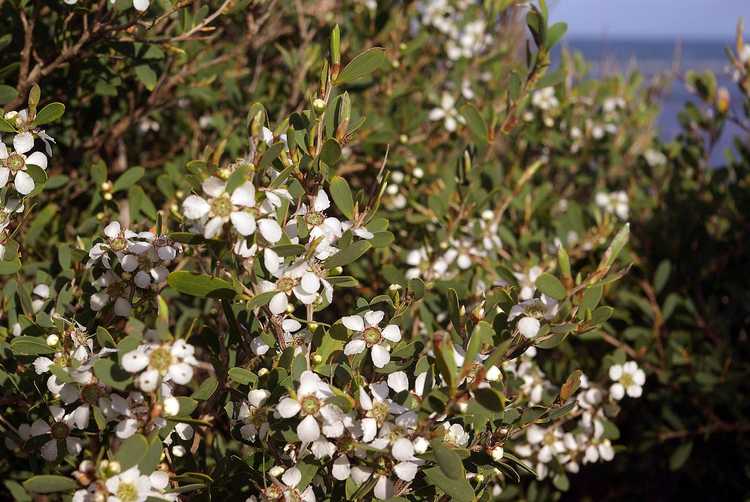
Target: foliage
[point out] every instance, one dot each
(344, 250)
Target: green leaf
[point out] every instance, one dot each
(49, 113)
(592, 296)
(146, 75)
(662, 275)
(110, 373)
(490, 399)
(482, 334)
(347, 255)
(475, 123)
(206, 389)
(448, 460)
(48, 483)
(242, 376)
(200, 285)
(260, 300)
(551, 286)
(10, 267)
(30, 346)
(680, 456)
(342, 196)
(458, 489)
(445, 360)
(128, 179)
(6, 126)
(601, 314)
(363, 65)
(331, 152)
(131, 451)
(104, 338)
(39, 176)
(150, 461)
(555, 33)
(270, 155)
(615, 247)
(7, 94)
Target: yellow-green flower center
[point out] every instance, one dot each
(160, 359)
(310, 405)
(90, 394)
(314, 218)
(627, 380)
(59, 430)
(371, 335)
(285, 284)
(15, 162)
(222, 206)
(127, 492)
(119, 243)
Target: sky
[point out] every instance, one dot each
(683, 19)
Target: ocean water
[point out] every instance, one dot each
(652, 57)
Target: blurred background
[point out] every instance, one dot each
(657, 37)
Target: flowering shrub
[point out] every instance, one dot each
(386, 277)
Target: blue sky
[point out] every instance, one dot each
(685, 19)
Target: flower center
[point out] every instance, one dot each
(372, 335)
(117, 289)
(127, 492)
(549, 439)
(285, 284)
(627, 380)
(119, 243)
(90, 394)
(160, 359)
(273, 492)
(380, 411)
(15, 162)
(222, 206)
(310, 405)
(59, 430)
(314, 218)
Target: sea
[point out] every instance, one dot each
(653, 57)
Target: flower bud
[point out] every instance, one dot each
(171, 406)
(497, 453)
(319, 106)
(528, 327)
(262, 372)
(52, 340)
(276, 471)
(317, 358)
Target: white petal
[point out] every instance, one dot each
(292, 477)
(181, 373)
(24, 183)
(134, 361)
(354, 347)
(528, 327)
(23, 142)
(278, 303)
(243, 222)
(369, 429)
(81, 417)
(126, 428)
(288, 407)
(402, 449)
(129, 262)
(406, 470)
(195, 207)
(340, 469)
(353, 322)
(398, 381)
(148, 380)
(213, 227)
(617, 391)
(392, 333)
(159, 479)
(615, 372)
(322, 202)
(270, 230)
(244, 195)
(213, 186)
(310, 282)
(122, 307)
(37, 159)
(383, 488)
(49, 450)
(308, 429)
(4, 175)
(380, 355)
(373, 317)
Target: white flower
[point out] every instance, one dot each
(447, 113)
(168, 362)
(318, 224)
(455, 435)
(545, 99)
(59, 429)
(132, 486)
(368, 334)
(310, 403)
(292, 478)
(378, 410)
(614, 203)
(628, 378)
(112, 289)
(221, 207)
(15, 163)
(527, 282)
(254, 416)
